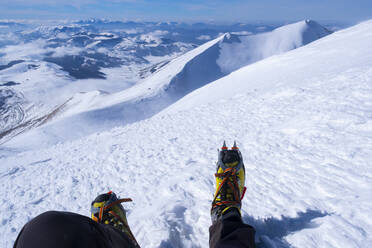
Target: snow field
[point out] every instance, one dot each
(306, 152)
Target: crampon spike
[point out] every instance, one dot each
(224, 147)
(234, 146)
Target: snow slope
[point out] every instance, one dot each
(38, 88)
(91, 112)
(209, 62)
(240, 50)
(306, 139)
(322, 60)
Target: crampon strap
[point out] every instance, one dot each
(228, 173)
(104, 208)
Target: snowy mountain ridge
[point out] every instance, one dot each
(174, 73)
(82, 56)
(288, 71)
(253, 48)
(172, 81)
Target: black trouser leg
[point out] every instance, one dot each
(69, 230)
(229, 231)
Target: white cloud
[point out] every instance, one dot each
(32, 50)
(103, 50)
(154, 36)
(63, 51)
(242, 33)
(204, 37)
(131, 31)
(261, 28)
(219, 34)
(62, 36)
(36, 50)
(159, 32)
(8, 38)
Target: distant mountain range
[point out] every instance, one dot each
(38, 62)
(163, 69)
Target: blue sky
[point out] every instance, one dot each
(189, 10)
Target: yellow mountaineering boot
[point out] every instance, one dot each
(107, 209)
(230, 179)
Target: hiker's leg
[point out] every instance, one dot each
(65, 229)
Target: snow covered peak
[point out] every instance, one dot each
(343, 51)
(308, 30)
(240, 50)
(232, 51)
(230, 38)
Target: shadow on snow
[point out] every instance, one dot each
(179, 232)
(271, 232)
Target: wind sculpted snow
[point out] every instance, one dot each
(307, 147)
